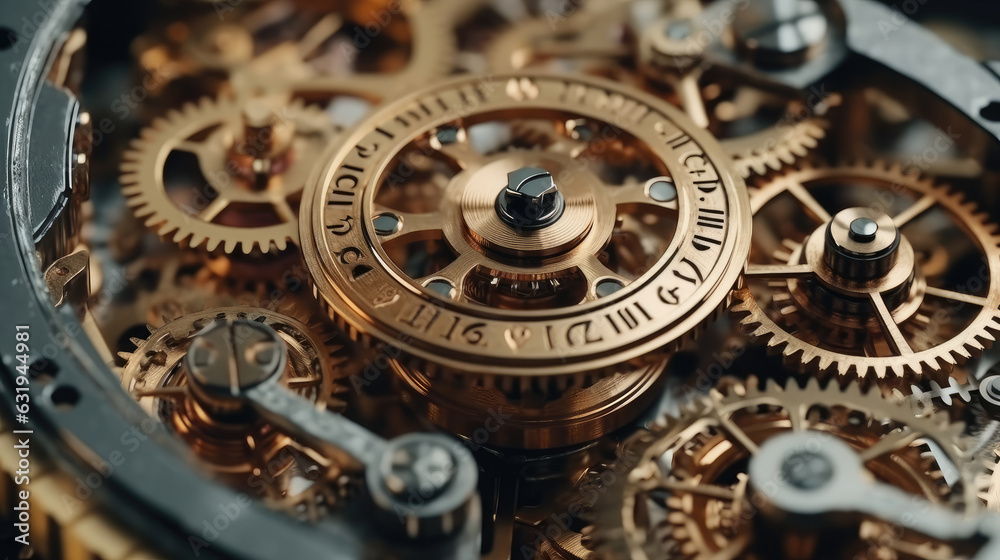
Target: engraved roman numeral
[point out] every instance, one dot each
(627, 319)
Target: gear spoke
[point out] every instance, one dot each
(319, 34)
(779, 271)
(689, 90)
(707, 490)
(461, 152)
(304, 382)
(411, 227)
(175, 394)
(894, 335)
(895, 441)
(809, 201)
(212, 211)
(738, 433)
(956, 296)
(284, 210)
(633, 193)
(454, 274)
(596, 273)
(551, 138)
(914, 210)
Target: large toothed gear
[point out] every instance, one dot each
(680, 489)
(228, 201)
(917, 309)
(549, 225)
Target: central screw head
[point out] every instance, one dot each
(229, 357)
(863, 230)
(531, 200)
(807, 470)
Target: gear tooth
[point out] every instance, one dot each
(812, 384)
(141, 210)
(763, 333)
(128, 167)
(825, 363)
(949, 360)
(230, 246)
(154, 221)
(963, 354)
(897, 395)
(160, 123)
(131, 157)
(180, 236)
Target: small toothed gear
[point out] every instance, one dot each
(681, 488)
(867, 272)
(246, 452)
(242, 190)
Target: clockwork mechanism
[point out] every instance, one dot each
(497, 279)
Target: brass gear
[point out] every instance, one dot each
(605, 39)
(853, 345)
(246, 453)
(680, 489)
(225, 205)
(531, 350)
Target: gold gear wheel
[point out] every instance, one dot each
(406, 233)
(599, 38)
(254, 454)
(680, 488)
(791, 291)
(229, 201)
